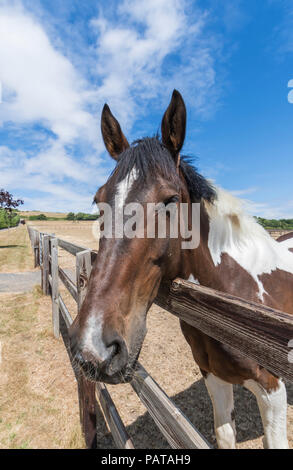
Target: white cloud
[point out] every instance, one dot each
(132, 55)
(42, 83)
(272, 210)
(243, 192)
(41, 86)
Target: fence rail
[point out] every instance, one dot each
(93, 398)
(256, 331)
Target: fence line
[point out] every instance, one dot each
(93, 398)
(254, 330)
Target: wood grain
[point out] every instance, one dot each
(173, 424)
(55, 286)
(70, 286)
(256, 331)
(116, 426)
(70, 247)
(83, 271)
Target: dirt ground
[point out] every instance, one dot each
(38, 398)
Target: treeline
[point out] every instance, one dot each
(81, 216)
(271, 224)
(70, 216)
(8, 219)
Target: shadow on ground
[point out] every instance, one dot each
(12, 246)
(145, 433)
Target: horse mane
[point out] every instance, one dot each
(150, 157)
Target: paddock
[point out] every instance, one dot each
(270, 347)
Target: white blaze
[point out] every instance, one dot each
(124, 187)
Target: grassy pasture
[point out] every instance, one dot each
(38, 393)
(57, 215)
(15, 250)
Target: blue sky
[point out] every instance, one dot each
(61, 60)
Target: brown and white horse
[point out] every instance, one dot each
(235, 255)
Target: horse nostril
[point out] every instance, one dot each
(118, 357)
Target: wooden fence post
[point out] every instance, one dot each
(30, 234)
(45, 265)
(83, 271)
(86, 389)
(55, 286)
(40, 257)
(36, 249)
(34, 239)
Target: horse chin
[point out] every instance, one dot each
(121, 377)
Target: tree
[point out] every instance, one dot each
(41, 217)
(7, 202)
(70, 216)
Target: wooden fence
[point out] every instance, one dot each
(278, 232)
(256, 331)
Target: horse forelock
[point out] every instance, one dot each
(148, 158)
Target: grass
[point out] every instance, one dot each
(55, 215)
(38, 395)
(38, 392)
(15, 250)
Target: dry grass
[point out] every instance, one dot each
(47, 214)
(38, 393)
(38, 404)
(79, 232)
(15, 250)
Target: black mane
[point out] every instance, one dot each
(151, 157)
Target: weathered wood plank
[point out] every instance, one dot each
(256, 331)
(45, 264)
(70, 247)
(34, 239)
(64, 312)
(55, 287)
(117, 428)
(70, 286)
(83, 271)
(30, 234)
(173, 424)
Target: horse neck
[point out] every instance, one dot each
(198, 263)
(237, 256)
(227, 275)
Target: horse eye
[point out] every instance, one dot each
(172, 199)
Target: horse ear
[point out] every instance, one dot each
(174, 125)
(114, 139)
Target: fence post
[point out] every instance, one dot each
(86, 389)
(36, 248)
(30, 234)
(83, 271)
(55, 287)
(45, 266)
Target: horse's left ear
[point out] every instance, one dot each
(114, 139)
(174, 125)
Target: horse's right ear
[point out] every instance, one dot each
(114, 139)
(174, 125)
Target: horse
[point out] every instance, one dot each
(286, 239)
(234, 254)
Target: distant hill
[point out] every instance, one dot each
(271, 224)
(55, 215)
(40, 215)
